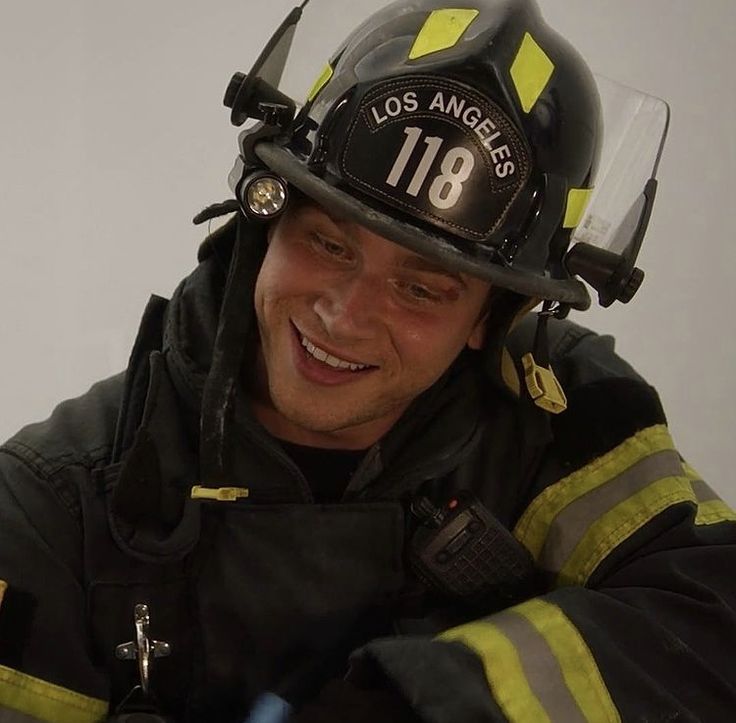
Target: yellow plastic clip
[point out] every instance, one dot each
(219, 494)
(543, 386)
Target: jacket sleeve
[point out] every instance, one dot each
(45, 671)
(638, 621)
(46, 668)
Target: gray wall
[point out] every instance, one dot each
(113, 135)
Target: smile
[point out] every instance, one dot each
(329, 359)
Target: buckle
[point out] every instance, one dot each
(543, 387)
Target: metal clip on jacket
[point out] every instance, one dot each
(142, 648)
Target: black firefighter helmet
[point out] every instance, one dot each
(470, 135)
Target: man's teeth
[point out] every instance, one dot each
(333, 361)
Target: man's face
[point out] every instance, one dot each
(353, 327)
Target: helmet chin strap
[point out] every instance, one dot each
(541, 340)
(237, 321)
(540, 380)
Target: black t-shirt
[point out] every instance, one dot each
(328, 471)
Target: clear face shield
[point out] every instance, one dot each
(604, 245)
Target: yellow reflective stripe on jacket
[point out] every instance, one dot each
(713, 512)
(577, 522)
(711, 508)
(46, 701)
(538, 666)
(610, 530)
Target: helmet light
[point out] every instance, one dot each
(264, 195)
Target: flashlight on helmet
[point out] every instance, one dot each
(262, 195)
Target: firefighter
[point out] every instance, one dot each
(346, 474)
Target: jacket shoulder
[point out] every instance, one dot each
(80, 431)
(608, 402)
(578, 355)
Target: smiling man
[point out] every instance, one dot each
(346, 476)
(352, 329)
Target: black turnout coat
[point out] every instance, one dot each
(630, 616)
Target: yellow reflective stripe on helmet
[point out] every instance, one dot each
(538, 666)
(711, 508)
(577, 202)
(441, 30)
(321, 82)
(46, 701)
(530, 71)
(575, 523)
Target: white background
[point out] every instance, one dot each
(113, 134)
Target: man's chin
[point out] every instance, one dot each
(344, 427)
(322, 423)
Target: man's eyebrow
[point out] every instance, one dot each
(421, 263)
(343, 224)
(414, 262)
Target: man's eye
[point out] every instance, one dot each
(328, 246)
(418, 292)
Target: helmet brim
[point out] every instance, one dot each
(569, 291)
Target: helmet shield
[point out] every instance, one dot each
(635, 129)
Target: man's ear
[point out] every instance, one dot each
(478, 334)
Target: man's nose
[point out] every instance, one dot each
(351, 308)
